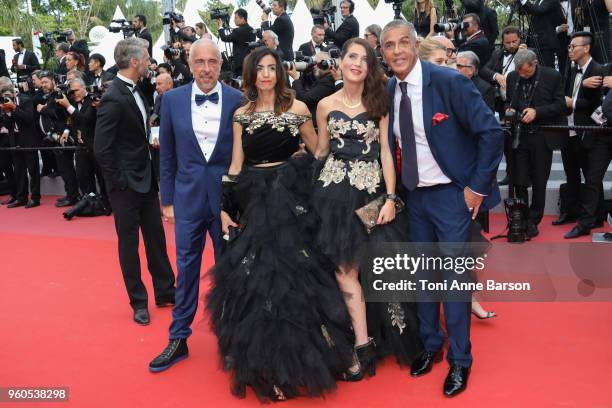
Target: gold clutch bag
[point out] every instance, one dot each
(368, 214)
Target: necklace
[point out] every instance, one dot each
(346, 103)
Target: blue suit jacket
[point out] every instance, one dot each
(187, 180)
(467, 146)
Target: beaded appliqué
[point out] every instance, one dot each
(255, 120)
(363, 175)
(340, 127)
(396, 313)
(334, 171)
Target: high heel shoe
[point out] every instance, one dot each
(366, 362)
(488, 315)
(276, 394)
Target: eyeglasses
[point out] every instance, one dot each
(572, 46)
(464, 66)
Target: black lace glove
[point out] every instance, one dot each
(228, 201)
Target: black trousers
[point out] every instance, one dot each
(49, 165)
(598, 157)
(574, 159)
(6, 165)
(136, 212)
(65, 165)
(88, 173)
(26, 163)
(533, 160)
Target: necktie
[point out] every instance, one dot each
(410, 169)
(213, 97)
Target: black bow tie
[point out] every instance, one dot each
(97, 76)
(579, 70)
(213, 97)
(507, 53)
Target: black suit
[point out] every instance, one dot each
(347, 30)
(146, 35)
(533, 157)
(239, 37)
(479, 45)
(486, 90)
(489, 24)
(61, 67)
(3, 70)
(308, 50)
(121, 147)
(29, 61)
(547, 15)
(105, 76)
(495, 65)
(322, 88)
(283, 27)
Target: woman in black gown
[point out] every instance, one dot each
(281, 322)
(353, 125)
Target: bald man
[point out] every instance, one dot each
(196, 149)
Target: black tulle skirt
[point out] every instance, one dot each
(275, 306)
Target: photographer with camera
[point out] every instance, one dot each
(282, 27)
(349, 27)
(239, 37)
(82, 108)
(97, 75)
(24, 61)
(535, 97)
(141, 31)
(316, 44)
(18, 118)
(544, 17)
(475, 39)
(61, 50)
(53, 123)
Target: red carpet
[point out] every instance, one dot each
(66, 322)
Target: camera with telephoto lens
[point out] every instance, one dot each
(222, 14)
(95, 91)
(303, 61)
(170, 52)
(123, 27)
(451, 26)
(255, 44)
(170, 17)
(298, 65)
(512, 120)
(53, 137)
(266, 9)
(320, 16)
(6, 99)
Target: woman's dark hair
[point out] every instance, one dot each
(283, 95)
(80, 59)
(374, 85)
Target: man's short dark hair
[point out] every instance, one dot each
(46, 74)
(586, 36)
(316, 27)
(282, 3)
(98, 57)
(141, 18)
(511, 30)
(18, 41)
(64, 47)
(474, 18)
(166, 66)
(242, 13)
(351, 5)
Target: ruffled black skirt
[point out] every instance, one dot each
(280, 319)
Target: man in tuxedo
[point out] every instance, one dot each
(283, 27)
(345, 31)
(121, 147)
(587, 151)
(467, 64)
(582, 97)
(315, 45)
(61, 50)
(545, 15)
(475, 39)
(18, 115)
(239, 37)
(448, 170)
(141, 31)
(24, 61)
(196, 141)
(97, 75)
(535, 93)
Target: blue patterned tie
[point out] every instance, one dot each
(410, 169)
(213, 97)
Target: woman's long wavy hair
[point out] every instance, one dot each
(374, 89)
(283, 95)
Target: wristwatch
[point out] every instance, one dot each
(392, 197)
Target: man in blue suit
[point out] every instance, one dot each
(451, 146)
(195, 151)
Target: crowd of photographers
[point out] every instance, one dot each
(550, 69)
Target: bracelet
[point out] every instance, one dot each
(392, 197)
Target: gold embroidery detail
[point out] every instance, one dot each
(253, 121)
(365, 175)
(397, 316)
(328, 339)
(334, 171)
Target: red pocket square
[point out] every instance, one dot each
(438, 118)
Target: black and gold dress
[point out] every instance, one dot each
(281, 321)
(350, 178)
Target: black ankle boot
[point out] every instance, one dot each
(366, 361)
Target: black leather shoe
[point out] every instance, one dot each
(9, 200)
(141, 316)
(456, 380)
(576, 232)
(68, 202)
(422, 365)
(175, 351)
(563, 219)
(32, 204)
(16, 203)
(532, 230)
(164, 302)
(504, 181)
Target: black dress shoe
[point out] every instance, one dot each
(69, 202)
(16, 203)
(141, 316)
(532, 230)
(456, 380)
(9, 200)
(563, 219)
(576, 232)
(32, 204)
(422, 365)
(175, 351)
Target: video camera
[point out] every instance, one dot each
(170, 52)
(450, 26)
(266, 9)
(95, 91)
(124, 27)
(171, 17)
(397, 8)
(51, 37)
(222, 14)
(320, 16)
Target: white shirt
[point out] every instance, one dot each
(317, 47)
(430, 173)
(576, 88)
(20, 58)
(206, 119)
(567, 12)
(137, 98)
